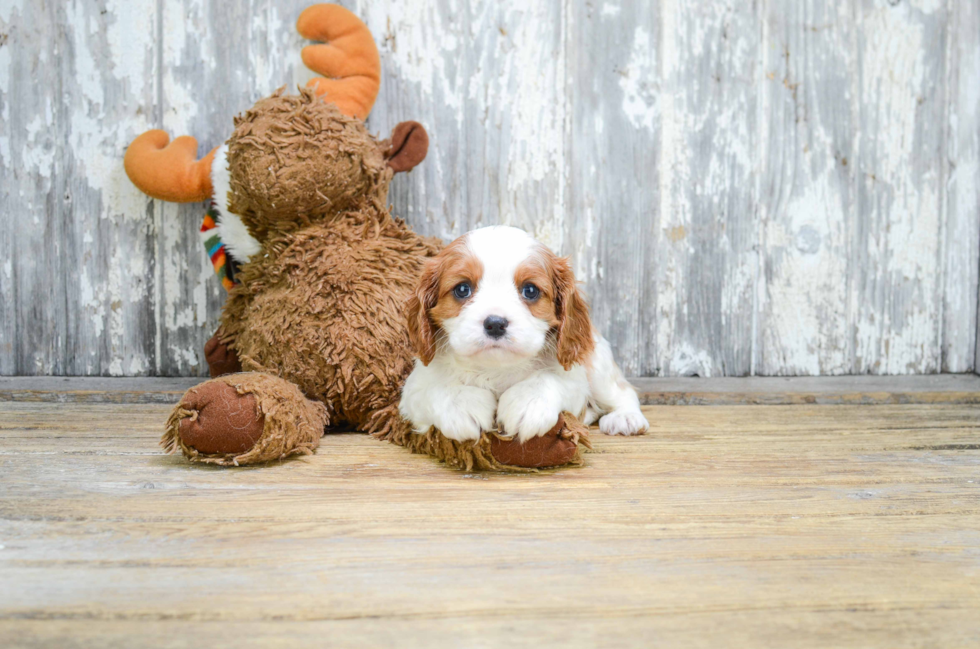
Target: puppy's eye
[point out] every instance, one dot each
(462, 291)
(530, 292)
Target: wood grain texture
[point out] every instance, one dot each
(807, 204)
(758, 526)
(962, 199)
(896, 242)
(613, 93)
(76, 242)
(777, 187)
(488, 79)
(707, 236)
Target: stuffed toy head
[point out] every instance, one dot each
(292, 160)
(295, 160)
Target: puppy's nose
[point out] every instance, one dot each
(495, 326)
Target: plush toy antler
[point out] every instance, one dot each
(171, 171)
(349, 58)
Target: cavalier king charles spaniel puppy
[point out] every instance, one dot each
(503, 334)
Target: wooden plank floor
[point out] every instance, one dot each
(802, 525)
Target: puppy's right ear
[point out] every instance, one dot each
(421, 329)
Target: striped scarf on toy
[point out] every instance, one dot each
(224, 264)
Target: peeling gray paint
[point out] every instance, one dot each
(778, 187)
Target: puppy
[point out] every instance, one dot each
(502, 333)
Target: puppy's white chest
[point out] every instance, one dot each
(497, 381)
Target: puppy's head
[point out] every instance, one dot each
(496, 296)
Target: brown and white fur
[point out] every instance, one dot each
(503, 334)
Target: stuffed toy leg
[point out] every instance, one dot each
(252, 418)
(246, 418)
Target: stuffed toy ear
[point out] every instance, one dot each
(409, 144)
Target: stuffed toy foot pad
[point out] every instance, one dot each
(557, 447)
(247, 418)
(560, 446)
(222, 421)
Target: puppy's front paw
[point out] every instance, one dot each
(469, 414)
(623, 422)
(526, 412)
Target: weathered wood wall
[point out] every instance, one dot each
(774, 187)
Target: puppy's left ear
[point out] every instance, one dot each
(575, 341)
(421, 330)
(409, 144)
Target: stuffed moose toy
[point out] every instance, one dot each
(317, 271)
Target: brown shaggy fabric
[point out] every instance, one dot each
(324, 308)
(295, 159)
(322, 305)
(559, 447)
(291, 424)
